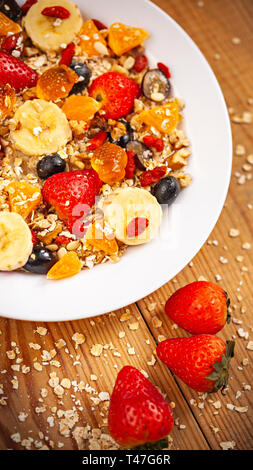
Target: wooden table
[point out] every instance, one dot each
(35, 414)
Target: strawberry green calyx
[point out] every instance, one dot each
(221, 369)
(158, 445)
(228, 304)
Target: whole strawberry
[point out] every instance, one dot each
(116, 92)
(16, 73)
(138, 413)
(199, 307)
(72, 194)
(202, 361)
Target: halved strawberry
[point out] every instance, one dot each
(16, 73)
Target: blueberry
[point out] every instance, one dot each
(155, 85)
(11, 9)
(123, 141)
(84, 74)
(40, 261)
(166, 190)
(142, 154)
(50, 165)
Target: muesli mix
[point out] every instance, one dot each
(84, 119)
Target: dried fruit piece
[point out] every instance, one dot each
(67, 54)
(27, 5)
(152, 176)
(56, 12)
(10, 42)
(56, 82)
(69, 265)
(91, 41)
(163, 118)
(7, 26)
(7, 99)
(131, 166)
(109, 161)
(23, 197)
(101, 236)
(98, 24)
(164, 69)
(123, 38)
(141, 62)
(97, 140)
(80, 108)
(152, 141)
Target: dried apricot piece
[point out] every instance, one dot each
(91, 41)
(69, 265)
(163, 118)
(7, 99)
(101, 236)
(123, 38)
(80, 108)
(109, 161)
(23, 197)
(56, 82)
(7, 26)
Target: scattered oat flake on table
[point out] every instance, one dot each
(96, 350)
(134, 326)
(41, 331)
(156, 322)
(227, 445)
(250, 346)
(78, 338)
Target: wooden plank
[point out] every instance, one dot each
(78, 365)
(213, 27)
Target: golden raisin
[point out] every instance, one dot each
(23, 197)
(101, 236)
(69, 265)
(80, 108)
(56, 82)
(109, 161)
(7, 26)
(7, 99)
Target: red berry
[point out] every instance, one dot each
(152, 141)
(99, 25)
(35, 239)
(164, 69)
(97, 140)
(27, 5)
(67, 54)
(137, 226)
(116, 93)
(141, 62)
(56, 12)
(16, 73)
(152, 176)
(9, 43)
(62, 240)
(131, 167)
(202, 361)
(138, 413)
(72, 194)
(199, 307)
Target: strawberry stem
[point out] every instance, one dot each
(221, 369)
(158, 445)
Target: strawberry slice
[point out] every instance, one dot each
(16, 73)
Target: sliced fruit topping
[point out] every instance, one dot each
(50, 33)
(11, 9)
(91, 41)
(67, 54)
(56, 82)
(84, 74)
(141, 152)
(155, 85)
(50, 165)
(163, 118)
(97, 140)
(7, 26)
(123, 38)
(69, 265)
(56, 12)
(125, 205)
(41, 128)
(24, 197)
(15, 241)
(16, 73)
(152, 141)
(72, 194)
(167, 190)
(109, 161)
(116, 93)
(137, 226)
(40, 261)
(164, 69)
(152, 176)
(7, 99)
(80, 108)
(10, 42)
(101, 237)
(141, 62)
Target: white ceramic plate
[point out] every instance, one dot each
(186, 225)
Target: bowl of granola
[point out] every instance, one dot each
(115, 155)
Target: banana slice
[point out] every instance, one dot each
(132, 208)
(48, 33)
(15, 241)
(41, 128)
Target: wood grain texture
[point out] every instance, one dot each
(201, 423)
